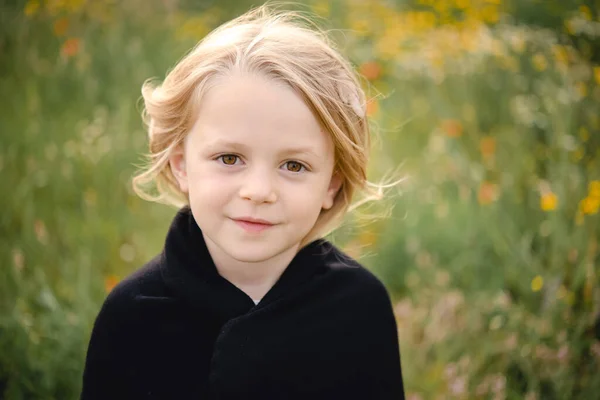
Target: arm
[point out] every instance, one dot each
(105, 375)
(381, 369)
(387, 353)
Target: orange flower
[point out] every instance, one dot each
(110, 282)
(370, 70)
(487, 146)
(60, 26)
(452, 127)
(367, 238)
(372, 107)
(70, 47)
(488, 193)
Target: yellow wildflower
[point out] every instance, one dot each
(194, 28)
(537, 283)
(539, 62)
(581, 88)
(594, 189)
(548, 201)
(428, 19)
(31, 7)
(360, 26)
(461, 4)
(597, 75)
(387, 46)
(321, 8)
(577, 155)
(490, 14)
(590, 205)
(586, 12)
(367, 238)
(561, 55)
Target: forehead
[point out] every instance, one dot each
(257, 111)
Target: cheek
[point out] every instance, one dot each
(208, 187)
(307, 199)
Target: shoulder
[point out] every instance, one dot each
(356, 279)
(145, 281)
(115, 332)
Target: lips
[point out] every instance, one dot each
(253, 225)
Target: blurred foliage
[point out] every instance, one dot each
(490, 252)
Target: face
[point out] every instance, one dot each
(257, 168)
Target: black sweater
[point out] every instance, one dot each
(176, 329)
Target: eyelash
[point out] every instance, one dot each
(302, 166)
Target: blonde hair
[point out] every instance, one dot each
(281, 45)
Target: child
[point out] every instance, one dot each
(260, 132)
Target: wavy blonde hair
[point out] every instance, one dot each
(281, 45)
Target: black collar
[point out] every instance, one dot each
(190, 273)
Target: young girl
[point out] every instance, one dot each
(260, 132)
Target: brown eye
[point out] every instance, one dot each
(229, 159)
(294, 166)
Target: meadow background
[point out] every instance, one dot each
(490, 108)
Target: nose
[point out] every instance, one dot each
(258, 186)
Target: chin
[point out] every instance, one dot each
(253, 252)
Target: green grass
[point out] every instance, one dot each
(496, 297)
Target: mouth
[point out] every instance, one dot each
(253, 225)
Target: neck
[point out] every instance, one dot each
(253, 278)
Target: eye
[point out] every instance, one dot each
(228, 159)
(294, 166)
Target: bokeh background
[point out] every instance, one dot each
(489, 248)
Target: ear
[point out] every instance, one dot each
(178, 167)
(334, 186)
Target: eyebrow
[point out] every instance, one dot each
(242, 147)
(226, 143)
